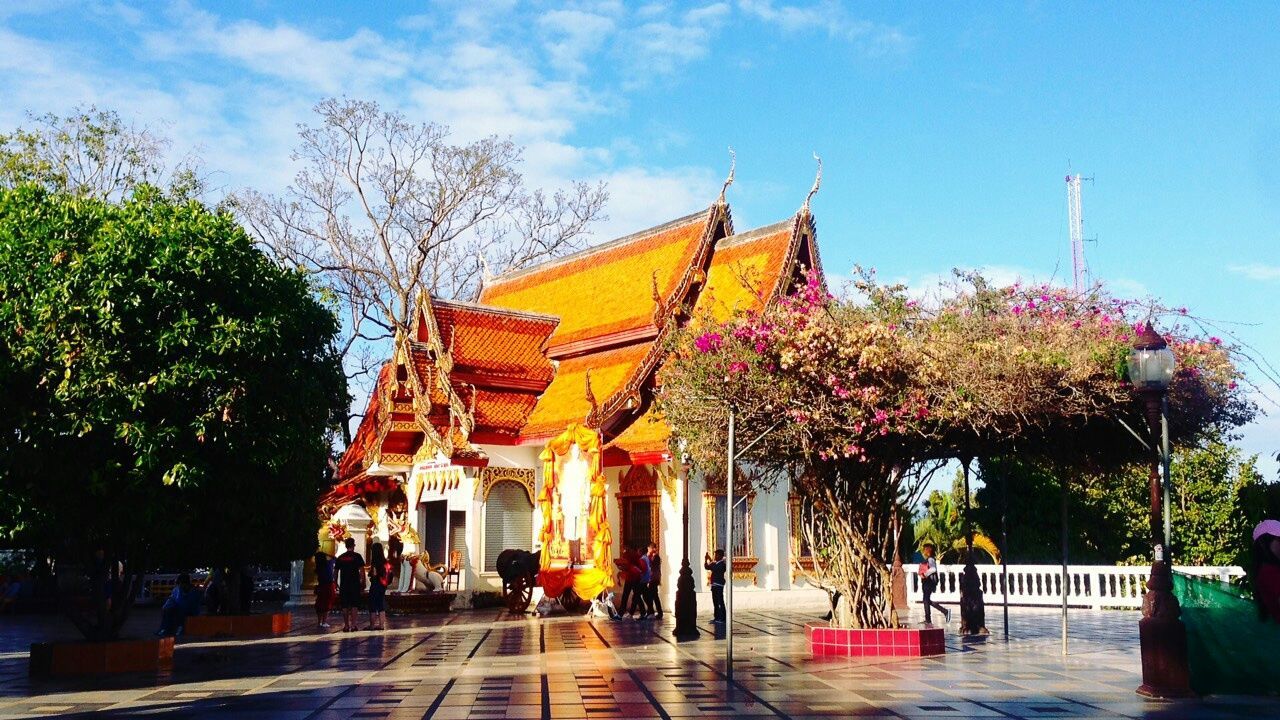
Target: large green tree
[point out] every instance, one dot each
(1217, 495)
(167, 393)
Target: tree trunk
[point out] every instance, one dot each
(234, 603)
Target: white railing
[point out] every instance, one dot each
(1091, 586)
(157, 586)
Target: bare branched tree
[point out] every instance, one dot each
(384, 210)
(94, 153)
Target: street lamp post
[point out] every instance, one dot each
(686, 599)
(1162, 635)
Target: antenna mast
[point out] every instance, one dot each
(1075, 223)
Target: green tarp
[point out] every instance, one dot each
(1231, 651)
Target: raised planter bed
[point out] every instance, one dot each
(238, 625)
(850, 642)
(412, 603)
(92, 658)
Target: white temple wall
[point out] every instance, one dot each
(769, 542)
(518, 456)
(671, 539)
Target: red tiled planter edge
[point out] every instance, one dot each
(91, 658)
(850, 642)
(238, 625)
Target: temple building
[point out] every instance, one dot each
(455, 449)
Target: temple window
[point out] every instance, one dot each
(508, 520)
(639, 506)
(717, 508)
(741, 525)
(801, 553)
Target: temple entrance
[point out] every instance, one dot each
(433, 519)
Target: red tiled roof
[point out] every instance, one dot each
(496, 342)
(352, 462)
(499, 411)
(498, 365)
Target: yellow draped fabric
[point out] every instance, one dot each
(588, 442)
(586, 583)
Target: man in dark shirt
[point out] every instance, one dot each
(350, 567)
(654, 589)
(717, 568)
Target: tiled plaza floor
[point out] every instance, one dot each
(491, 665)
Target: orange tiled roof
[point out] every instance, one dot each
(648, 435)
(497, 353)
(608, 288)
(748, 270)
(565, 399)
(427, 371)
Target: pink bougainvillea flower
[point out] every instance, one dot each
(709, 342)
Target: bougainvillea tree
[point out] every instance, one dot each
(876, 391)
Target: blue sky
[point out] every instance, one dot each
(945, 133)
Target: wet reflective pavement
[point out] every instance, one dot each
(488, 664)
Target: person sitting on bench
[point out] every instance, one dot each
(181, 604)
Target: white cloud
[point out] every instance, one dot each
(572, 35)
(642, 197)
(1257, 271)
(281, 51)
(234, 90)
(662, 46)
(831, 18)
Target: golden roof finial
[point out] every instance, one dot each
(591, 399)
(733, 163)
(817, 183)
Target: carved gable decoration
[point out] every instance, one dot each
(640, 480)
(491, 476)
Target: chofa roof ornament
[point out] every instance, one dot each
(733, 163)
(817, 183)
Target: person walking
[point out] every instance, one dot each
(379, 579)
(326, 591)
(640, 603)
(717, 568)
(350, 569)
(929, 583)
(655, 582)
(629, 566)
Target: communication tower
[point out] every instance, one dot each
(1075, 223)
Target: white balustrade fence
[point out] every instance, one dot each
(1088, 586)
